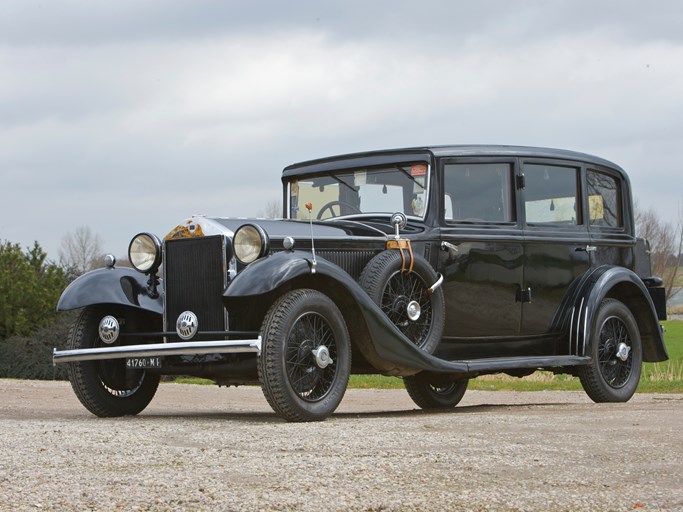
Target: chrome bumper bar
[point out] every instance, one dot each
(187, 348)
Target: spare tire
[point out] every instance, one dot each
(405, 298)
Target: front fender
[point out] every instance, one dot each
(388, 344)
(123, 286)
(624, 285)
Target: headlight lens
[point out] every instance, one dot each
(250, 243)
(144, 252)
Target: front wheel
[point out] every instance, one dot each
(305, 359)
(435, 392)
(616, 355)
(106, 388)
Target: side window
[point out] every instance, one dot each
(604, 205)
(478, 192)
(550, 194)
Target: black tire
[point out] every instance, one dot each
(434, 392)
(106, 388)
(611, 376)
(293, 379)
(392, 290)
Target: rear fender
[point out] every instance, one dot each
(385, 343)
(123, 286)
(624, 285)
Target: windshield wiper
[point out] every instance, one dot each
(410, 176)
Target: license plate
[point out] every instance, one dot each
(143, 362)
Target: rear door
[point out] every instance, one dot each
(557, 245)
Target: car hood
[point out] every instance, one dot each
(197, 226)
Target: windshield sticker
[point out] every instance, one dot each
(360, 178)
(294, 188)
(418, 169)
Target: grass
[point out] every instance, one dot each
(666, 377)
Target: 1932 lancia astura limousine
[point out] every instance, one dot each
(434, 264)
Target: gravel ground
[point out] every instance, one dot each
(205, 448)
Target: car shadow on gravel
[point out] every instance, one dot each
(271, 417)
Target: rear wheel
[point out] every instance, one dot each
(305, 361)
(616, 352)
(434, 392)
(106, 388)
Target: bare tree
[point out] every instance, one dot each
(666, 244)
(273, 209)
(81, 251)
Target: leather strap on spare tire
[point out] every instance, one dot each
(407, 295)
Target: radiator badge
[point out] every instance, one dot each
(187, 230)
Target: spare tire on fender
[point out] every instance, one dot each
(405, 298)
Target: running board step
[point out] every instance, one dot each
(512, 363)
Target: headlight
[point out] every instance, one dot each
(144, 252)
(250, 243)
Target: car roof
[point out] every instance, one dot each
(389, 156)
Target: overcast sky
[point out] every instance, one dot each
(129, 116)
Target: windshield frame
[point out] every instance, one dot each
(405, 167)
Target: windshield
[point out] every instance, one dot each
(384, 190)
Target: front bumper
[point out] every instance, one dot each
(188, 348)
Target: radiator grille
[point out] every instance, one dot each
(194, 280)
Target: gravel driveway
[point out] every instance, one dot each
(205, 448)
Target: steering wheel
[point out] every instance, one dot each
(329, 206)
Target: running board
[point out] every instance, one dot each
(515, 363)
(188, 348)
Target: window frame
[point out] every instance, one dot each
(621, 227)
(514, 202)
(578, 167)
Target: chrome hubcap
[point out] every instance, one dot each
(322, 356)
(413, 310)
(623, 350)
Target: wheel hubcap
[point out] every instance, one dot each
(623, 351)
(413, 310)
(322, 356)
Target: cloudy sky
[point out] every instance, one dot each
(129, 116)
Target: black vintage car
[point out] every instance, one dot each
(433, 264)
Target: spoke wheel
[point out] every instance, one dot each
(106, 388)
(404, 297)
(305, 360)
(435, 392)
(615, 348)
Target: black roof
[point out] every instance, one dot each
(388, 156)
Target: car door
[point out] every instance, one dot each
(557, 246)
(482, 254)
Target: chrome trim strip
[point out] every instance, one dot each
(585, 330)
(158, 349)
(571, 330)
(578, 325)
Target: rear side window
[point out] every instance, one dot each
(478, 192)
(604, 205)
(550, 194)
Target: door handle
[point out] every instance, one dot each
(587, 248)
(447, 246)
